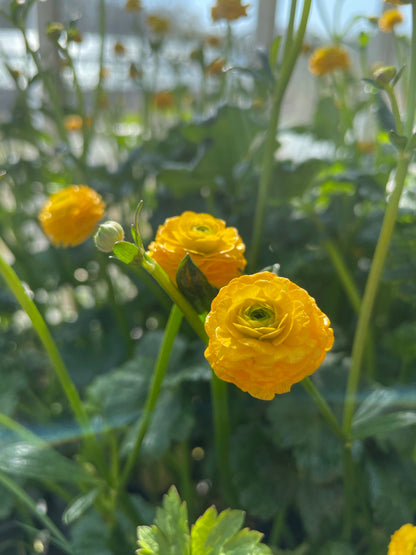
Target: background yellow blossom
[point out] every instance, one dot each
(327, 59)
(70, 216)
(389, 19)
(265, 334)
(217, 250)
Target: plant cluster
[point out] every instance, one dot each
(225, 365)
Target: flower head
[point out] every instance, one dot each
(73, 122)
(217, 250)
(389, 19)
(70, 216)
(157, 24)
(163, 100)
(119, 48)
(265, 334)
(403, 541)
(229, 10)
(133, 6)
(328, 59)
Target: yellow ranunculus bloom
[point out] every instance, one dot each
(403, 541)
(265, 334)
(163, 100)
(133, 6)
(70, 216)
(73, 122)
(389, 19)
(327, 59)
(229, 10)
(158, 24)
(217, 250)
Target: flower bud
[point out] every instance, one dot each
(107, 235)
(383, 75)
(54, 30)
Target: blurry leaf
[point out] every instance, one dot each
(274, 51)
(337, 548)
(78, 507)
(375, 403)
(384, 114)
(291, 180)
(194, 286)
(384, 424)
(126, 252)
(321, 505)
(170, 533)
(89, 535)
(32, 461)
(392, 488)
(326, 120)
(253, 454)
(399, 141)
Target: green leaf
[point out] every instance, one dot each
(126, 252)
(398, 75)
(216, 530)
(399, 141)
(274, 51)
(384, 424)
(78, 507)
(32, 461)
(246, 541)
(170, 533)
(194, 286)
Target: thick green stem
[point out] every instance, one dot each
(162, 362)
(61, 371)
(222, 433)
(289, 61)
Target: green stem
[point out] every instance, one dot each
(61, 371)
(323, 407)
(222, 433)
(171, 331)
(282, 82)
(382, 244)
(395, 108)
(343, 274)
(153, 268)
(28, 502)
(371, 290)
(349, 489)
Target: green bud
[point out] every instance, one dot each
(107, 235)
(383, 75)
(54, 30)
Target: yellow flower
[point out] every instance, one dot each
(265, 334)
(403, 541)
(327, 59)
(133, 6)
(229, 10)
(73, 122)
(217, 250)
(163, 100)
(70, 216)
(158, 24)
(398, 2)
(119, 48)
(389, 19)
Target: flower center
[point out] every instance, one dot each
(259, 315)
(202, 228)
